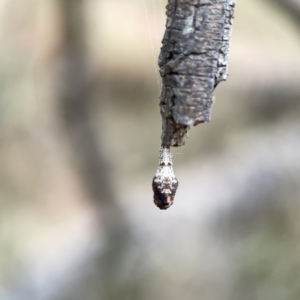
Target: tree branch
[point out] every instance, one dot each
(193, 60)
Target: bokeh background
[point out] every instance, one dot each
(79, 138)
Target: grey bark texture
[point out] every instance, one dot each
(193, 60)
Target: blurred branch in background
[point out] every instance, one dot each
(292, 7)
(74, 90)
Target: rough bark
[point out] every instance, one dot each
(193, 60)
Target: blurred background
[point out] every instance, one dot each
(79, 137)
